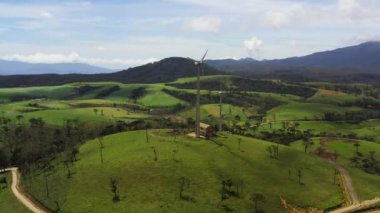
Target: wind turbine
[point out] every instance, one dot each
(199, 65)
(220, 108)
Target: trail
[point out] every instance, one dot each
(27, 202)
(347, 182)
(354, 202)
(358, 206)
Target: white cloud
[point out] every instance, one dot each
(348, 6)
(204, 24)
(46, 15)
(355, 11)
(253, 46)
(75, 57)
(276, 19)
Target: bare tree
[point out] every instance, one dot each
(155, 153)
(299, 174)
(114, 185)
(101, 147)
(257, 198)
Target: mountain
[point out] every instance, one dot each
(360, 58)
(19, 68)
(166, 70)
(365, 57)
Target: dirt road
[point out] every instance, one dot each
(359, 206)
(347, 182)
(20, 195)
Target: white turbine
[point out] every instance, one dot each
(199, 65)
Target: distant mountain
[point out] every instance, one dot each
(360, 58)
(166, 70)
(22, 68)
(365, 57)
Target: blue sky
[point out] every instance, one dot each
(120, 34)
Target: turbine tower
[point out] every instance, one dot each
(199, 65)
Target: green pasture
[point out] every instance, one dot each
(146, 185)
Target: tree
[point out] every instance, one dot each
(137, 93)
(101, 147)
(239, 142)
(307, 142)
(3, 160)
(299, 174)
(257, 198)
(114, 185)
(335, 156)
(357, 144)
(155, 153)
(335, 173)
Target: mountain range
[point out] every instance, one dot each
(23, 68)
(364, 57)
(166, 70)
(359, 63)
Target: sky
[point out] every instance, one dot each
(120, 34)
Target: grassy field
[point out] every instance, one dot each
(8, 202)
(305, 111)
(367, 185)
(332, 97)
(157, 98)
(146, 185)
(57, 112)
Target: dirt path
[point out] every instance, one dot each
(356, 207)
(347, 182)
(20, 195)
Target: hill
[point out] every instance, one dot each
(171, 181)
(166, 70)
(22, 68)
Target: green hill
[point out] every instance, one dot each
(149, 185)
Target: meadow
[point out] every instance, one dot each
(146, 184)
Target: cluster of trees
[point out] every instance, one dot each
(236, 98)
(287, 134)
(351, 116)
(29, 143)
(107, 91)
(242, 84)
(367, 163)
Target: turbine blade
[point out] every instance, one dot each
(204, 56)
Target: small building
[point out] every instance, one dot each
(206, 130)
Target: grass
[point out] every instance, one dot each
(146, 185)
(210, 113)
(8, 202)
(366, 185)
(57, 112)
(155, 97)
(52, 92)
(303, 111)
(332, 97)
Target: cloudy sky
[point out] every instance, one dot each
(124, 33)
